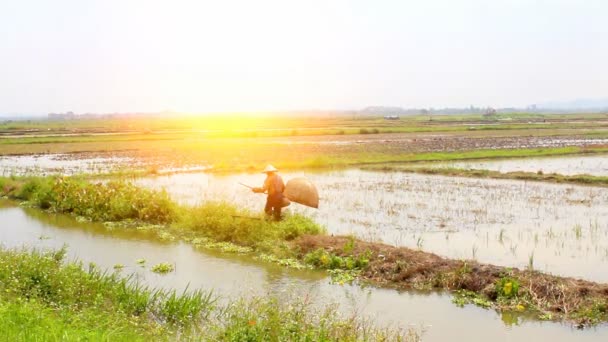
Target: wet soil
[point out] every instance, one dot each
(404, 268)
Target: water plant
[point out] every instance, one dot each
(531, 261)
(163, 268)
(578, 231)
(507, 287)
(323, 259)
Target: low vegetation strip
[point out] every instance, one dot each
(39, 294)
(299, 242)
(44, 298)
(123, 204)
(520, 175)
(502, 288)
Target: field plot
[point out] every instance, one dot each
(157, 151)
(62, 164)
(232, 276)
(477, 224)
(596, 165)
(560, 229)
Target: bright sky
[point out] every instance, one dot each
(203, 56)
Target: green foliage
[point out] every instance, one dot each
(507, 287)
(593, 314)
(287, 262)
(322, 259)
(462, 297)
(296, 225)
(42, 277)
(339, 276)
(224, 222)
(122, 205)
(163, 268)
(265, 319)
(28, 320)
(32, 189)
(111, 201)
(184, 308)
(349, 246)
(41, 298)
(369, 131)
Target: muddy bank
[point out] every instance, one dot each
(502, 288)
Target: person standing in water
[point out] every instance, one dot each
(274, 187)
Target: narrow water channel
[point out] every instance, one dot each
(231, 276)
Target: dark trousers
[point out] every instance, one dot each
(273, 205)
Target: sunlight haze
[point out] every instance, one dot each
(212, 56)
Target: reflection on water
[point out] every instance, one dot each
(596, 165)
(562, 229)
(231, 275)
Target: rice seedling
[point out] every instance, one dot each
(578, 231)
(531, 261)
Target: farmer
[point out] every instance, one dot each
(273, 186)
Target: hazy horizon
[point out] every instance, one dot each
(198, 56)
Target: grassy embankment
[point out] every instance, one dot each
(43, 298)
(298, 242)
(121, 204)
(367, 159)
(518, 175)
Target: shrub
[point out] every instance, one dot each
(322, 259)
(369, 131)
(297, 225)
(43, 277)
(112, 201)
(224, 222)
(507, 287)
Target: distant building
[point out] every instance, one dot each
(490, 112)
(391, 117)
(62, 116)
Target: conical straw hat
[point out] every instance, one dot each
(270, 168)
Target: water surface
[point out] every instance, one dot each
(232, 275)
(596, 165)
(556, 228)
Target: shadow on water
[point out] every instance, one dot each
(237, 275)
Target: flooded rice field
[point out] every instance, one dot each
(83, 163)
(596, 165)
(555, 228)
(64, 164)
(240, 275)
